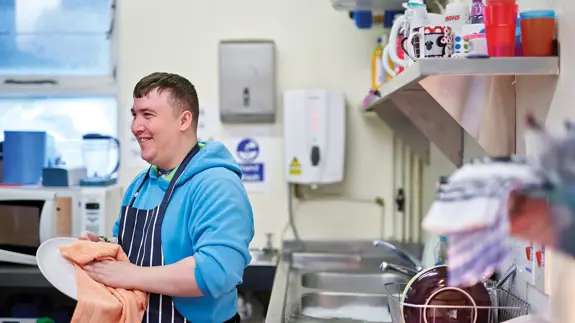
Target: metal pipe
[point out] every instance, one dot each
(403, 254)
(402, 269)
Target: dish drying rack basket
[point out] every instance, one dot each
(506, 306)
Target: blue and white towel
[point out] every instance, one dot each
(472, 212)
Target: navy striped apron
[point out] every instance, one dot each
(139, 235)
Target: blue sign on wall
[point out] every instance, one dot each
(248, 152)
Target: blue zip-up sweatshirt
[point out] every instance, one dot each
(209, 216)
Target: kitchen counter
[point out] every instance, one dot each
(314, 278)
(14, 275)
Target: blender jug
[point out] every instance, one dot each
(98, 154)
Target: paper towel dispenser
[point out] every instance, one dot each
(314, 136)
(247, 81)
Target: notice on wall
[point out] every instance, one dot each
(251, 155)
(208, 123)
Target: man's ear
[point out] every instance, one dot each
(186, 120)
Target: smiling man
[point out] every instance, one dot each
(186, 222)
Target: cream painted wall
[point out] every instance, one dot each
(317, 47)
(563, 268)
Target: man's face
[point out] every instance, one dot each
(156, 126)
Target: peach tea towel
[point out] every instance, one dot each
(98, 303)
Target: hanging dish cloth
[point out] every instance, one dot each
(471, 210)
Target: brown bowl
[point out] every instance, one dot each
(431, 289)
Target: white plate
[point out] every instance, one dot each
(58, 270)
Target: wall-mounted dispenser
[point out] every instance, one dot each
(314, 136)
(247, 81)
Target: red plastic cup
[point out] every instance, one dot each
(500, 40)
(500, 20)
(500, 13)
(489, 2)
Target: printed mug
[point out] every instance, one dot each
(429, 42)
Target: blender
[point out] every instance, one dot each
(101, 163)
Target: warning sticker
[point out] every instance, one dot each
(294, 167)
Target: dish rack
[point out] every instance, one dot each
(507, 306)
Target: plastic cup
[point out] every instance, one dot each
(500, 13)
(500, 20)
(537, 32)
(500, 40)
(489, 2)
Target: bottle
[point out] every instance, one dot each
(377, 73)
(441, 251)
(477, 12)
(415, 16)
(457, 15)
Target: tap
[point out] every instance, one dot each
(510, 274)
(403, 254)
(402, 269)
(269, 248)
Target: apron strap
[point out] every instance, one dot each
(133, 199)
(173, 181)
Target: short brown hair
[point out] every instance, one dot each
(182, 91)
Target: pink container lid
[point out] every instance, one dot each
(473, 36)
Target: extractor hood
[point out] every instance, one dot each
(438, 100)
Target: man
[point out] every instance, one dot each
(186, 222)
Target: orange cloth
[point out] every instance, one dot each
(98, 303)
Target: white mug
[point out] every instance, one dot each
(429, 42)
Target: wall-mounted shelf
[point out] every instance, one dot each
(438, 100)
(367, 5)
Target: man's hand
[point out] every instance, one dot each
(175, 280)
(115, 274)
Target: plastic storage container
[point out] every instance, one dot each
(537, 32)
(25, 155)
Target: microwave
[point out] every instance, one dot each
(31, 215)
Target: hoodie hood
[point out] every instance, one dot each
(211, 155)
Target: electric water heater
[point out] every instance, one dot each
(314, 136)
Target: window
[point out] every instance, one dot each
(56, 37)
(66, 119)
(57, 70)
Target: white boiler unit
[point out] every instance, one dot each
(314, 136)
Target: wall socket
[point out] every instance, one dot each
(539, 268)
(522, 254)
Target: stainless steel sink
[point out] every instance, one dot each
(360, 307)
(339, 262)
(352, 282)
(320, 282)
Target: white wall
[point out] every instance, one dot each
(316, 47)
(563, 268)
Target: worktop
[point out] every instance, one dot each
(312, 276)
(24, 276)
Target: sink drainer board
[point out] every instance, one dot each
(506, 306)
(346, 306)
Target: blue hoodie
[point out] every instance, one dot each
(209, 217)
